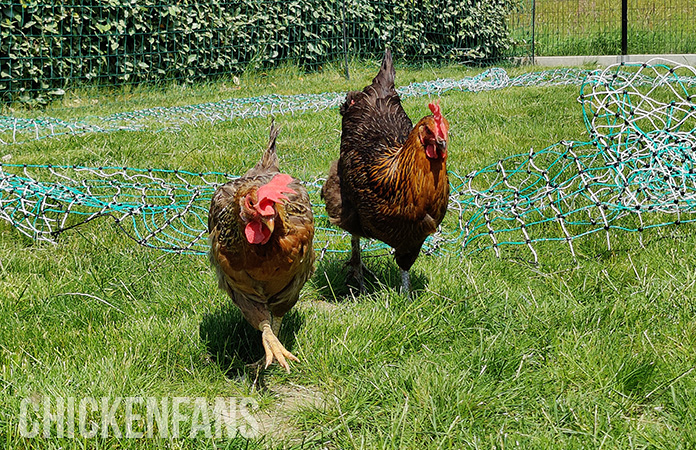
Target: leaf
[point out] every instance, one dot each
(103, 28)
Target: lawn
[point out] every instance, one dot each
(592, 351)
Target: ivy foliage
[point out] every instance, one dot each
(47, 47)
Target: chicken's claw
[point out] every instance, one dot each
(274, 349)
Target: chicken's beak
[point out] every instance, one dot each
(269, 221)
(442, 147)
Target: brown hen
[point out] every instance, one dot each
(261, 230)
(390, 181)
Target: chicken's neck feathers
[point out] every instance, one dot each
(410, 158)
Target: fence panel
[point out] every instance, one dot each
(593, 27)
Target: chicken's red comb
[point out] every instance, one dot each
(273, 192)
(439, 120)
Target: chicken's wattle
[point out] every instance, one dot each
(257, 233)
(431, 152)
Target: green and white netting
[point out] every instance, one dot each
(637, 171)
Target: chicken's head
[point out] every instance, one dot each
(258, 208)
(433, 133)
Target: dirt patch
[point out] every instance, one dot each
(277, 421)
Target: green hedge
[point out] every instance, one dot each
(47, 48)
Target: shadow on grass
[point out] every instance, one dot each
(233, 343)
(333, 284)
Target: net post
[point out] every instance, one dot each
(533, 28)
(345, 38)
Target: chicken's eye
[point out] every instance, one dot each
(432, 131)
(247, 202)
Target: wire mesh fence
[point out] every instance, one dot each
(47, 48)
(593, 27)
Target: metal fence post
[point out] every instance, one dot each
(533, 23)
(624, 27)
(345, 38)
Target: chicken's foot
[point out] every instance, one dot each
(274, 349)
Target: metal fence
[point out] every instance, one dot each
(46, 47)
(594, 27)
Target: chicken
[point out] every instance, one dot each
(261, 229)
(390, 181)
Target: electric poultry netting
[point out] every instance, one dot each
(637, 172)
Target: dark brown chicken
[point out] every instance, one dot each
(261, 230)
(390, 181)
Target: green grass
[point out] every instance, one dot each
(593, 352)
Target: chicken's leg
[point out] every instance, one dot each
(405, 283)
(355, 265)
(275, 324)
(274, 349)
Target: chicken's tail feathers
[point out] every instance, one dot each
(269, 160)
(383, 83)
